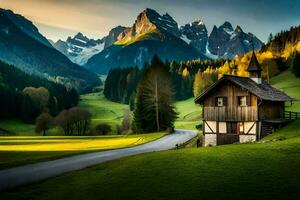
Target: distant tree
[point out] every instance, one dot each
(270, 38)
(126, 122)
(198, 84)
(64, 121)
(80, 118)
(103, 129)
(296, 65)
(28, 110)
(39, 95)
(154, 108)
(43, 123)
(74, 121)
(52, 105)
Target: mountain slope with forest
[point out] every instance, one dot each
(153, 33)
(150, 34)
(29, 51)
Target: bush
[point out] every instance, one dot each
(43, 123)
(103, 129)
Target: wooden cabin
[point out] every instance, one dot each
(241, 109)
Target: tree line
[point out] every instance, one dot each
(121, 83)
(25, 96)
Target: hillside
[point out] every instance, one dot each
(25, 50)
(288, 83)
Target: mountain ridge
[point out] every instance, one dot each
(222, 42)
(79, 48)
(24, 51)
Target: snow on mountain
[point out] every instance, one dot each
(226, 42)
(79, 48)
(195, 34)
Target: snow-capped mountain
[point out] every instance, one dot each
(223, 42)
(195, 34)
(227, 42)
(79, 48)
(150, 34)
(153, 33)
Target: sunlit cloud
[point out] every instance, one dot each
(97, 17)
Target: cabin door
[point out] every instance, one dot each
(231, 136)
(231, 127)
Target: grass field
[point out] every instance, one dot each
(189, 114)
(103, 110)
(21, 150)
(265, 170)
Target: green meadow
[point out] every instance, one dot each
(268, 169)
(287, 82)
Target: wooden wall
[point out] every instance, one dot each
(232, 111)
(271, 110)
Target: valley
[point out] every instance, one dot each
(116, 100)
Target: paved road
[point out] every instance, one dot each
(13, 177)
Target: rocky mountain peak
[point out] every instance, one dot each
(227, 42)
(227, 27)
(79, 48)
(238, 29)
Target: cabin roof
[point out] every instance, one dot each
(254, 65)
(264, 90)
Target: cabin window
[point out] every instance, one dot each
(241, 127)
(221, 101)
(243, 101)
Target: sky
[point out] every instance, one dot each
(58, 19)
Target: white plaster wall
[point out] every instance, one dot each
(210, 140)
(222, 127)
(247, 138)
(213, 126)
(248, 125)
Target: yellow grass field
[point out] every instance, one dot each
(29, 149)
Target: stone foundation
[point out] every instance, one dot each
(247, 138)
(210, 140)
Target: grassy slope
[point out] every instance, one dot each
(189, 114)
(24, 150)
(265, 170)
(103, 110)
(288, 83)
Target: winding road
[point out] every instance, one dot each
(17, 176)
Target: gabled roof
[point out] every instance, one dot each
(264, 90)
(254, 65)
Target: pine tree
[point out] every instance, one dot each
(198, 84)
(154, 108)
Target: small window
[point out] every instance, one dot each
(220, 101)
(243, 101)
(241, 127)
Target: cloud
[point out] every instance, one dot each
(99, 16)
